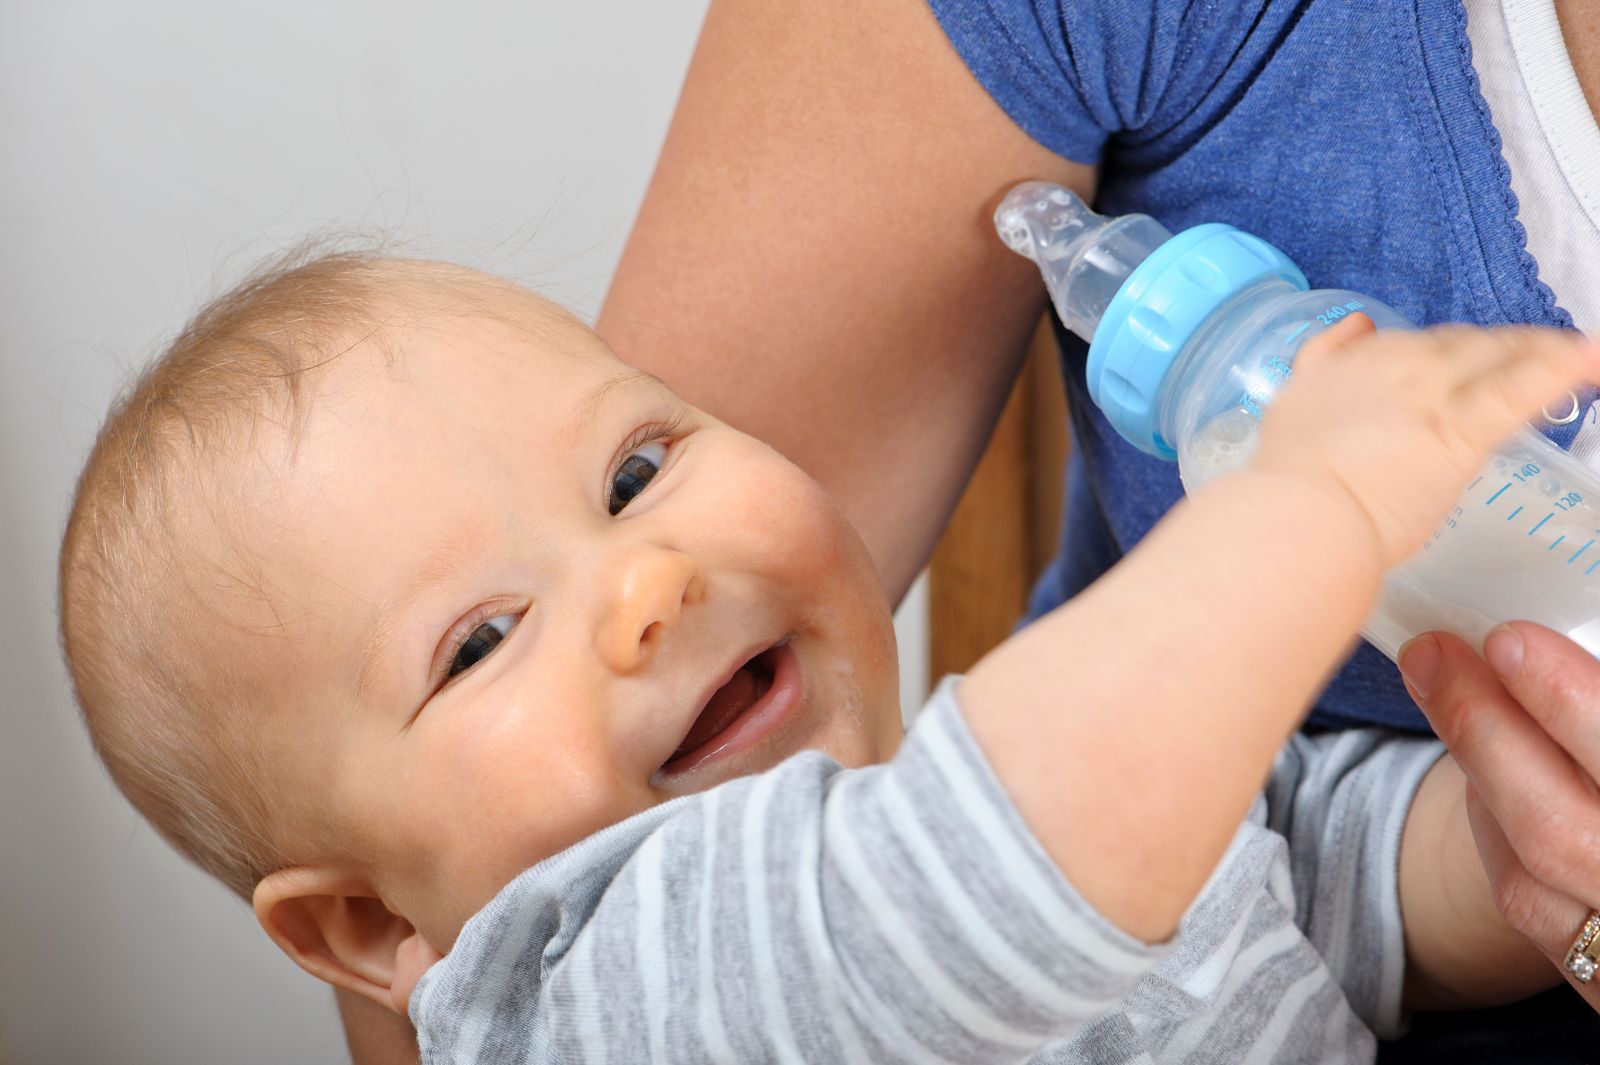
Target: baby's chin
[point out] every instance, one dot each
(855, 713)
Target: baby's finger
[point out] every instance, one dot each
(1472, 350)
(1542, 365)
(1341, 335)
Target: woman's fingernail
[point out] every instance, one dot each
(1503, 649)
(1419, 665)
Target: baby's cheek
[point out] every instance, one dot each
(790, 521)
(535, 781)
(822, 553)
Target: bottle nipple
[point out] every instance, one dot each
(1084, 257)
(1039, 221)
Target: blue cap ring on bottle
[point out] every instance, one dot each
(1157, 310)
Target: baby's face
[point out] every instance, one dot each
(521, 591)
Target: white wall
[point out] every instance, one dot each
(150, 152)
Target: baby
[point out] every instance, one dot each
(470, 655)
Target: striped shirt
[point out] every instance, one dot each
(904, 913)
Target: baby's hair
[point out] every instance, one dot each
(177, 727)
(177, 743)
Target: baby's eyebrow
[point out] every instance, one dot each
(440, 562)
(590, 405)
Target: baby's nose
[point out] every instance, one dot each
(648, 587)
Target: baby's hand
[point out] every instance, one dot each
(1402, 420)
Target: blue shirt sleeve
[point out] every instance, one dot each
(1075, 73)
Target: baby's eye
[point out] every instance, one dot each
(480, 641)
(635, 472)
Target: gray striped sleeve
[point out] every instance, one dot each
(1341, 799)
(898, 913)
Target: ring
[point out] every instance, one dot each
(1584, 958)
(1567, 418)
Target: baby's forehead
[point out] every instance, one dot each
(447, 394)
(441, 326)
(423, 306)
(443, 354)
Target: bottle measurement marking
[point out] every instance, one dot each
(1339, 310)
(1569, 501)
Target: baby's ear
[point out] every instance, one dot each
(338, 930)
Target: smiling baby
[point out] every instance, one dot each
(476, 660)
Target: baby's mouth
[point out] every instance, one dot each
(727, 706)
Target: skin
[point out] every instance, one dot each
(488, 445)
(858, 127)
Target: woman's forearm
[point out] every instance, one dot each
(1460, 952)
(376, 1036)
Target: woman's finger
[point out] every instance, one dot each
(1550, 919)
(1556, 681)
(1545, 803)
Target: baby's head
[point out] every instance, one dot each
(389, 580)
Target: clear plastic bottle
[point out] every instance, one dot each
(1190, 338)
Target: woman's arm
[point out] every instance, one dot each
(376, 1036)
(1460, 952)
(815, 262)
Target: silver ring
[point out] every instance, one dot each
(1583, 958)
(1566, 419)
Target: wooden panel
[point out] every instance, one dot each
(1004, 529)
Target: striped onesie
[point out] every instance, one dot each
(904, 913)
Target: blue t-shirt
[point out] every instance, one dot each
(1351, 135)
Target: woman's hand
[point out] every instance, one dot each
(1524, 723)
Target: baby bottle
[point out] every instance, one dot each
(1190, 338)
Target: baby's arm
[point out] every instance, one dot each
(1172, 682)
(1134, 726)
